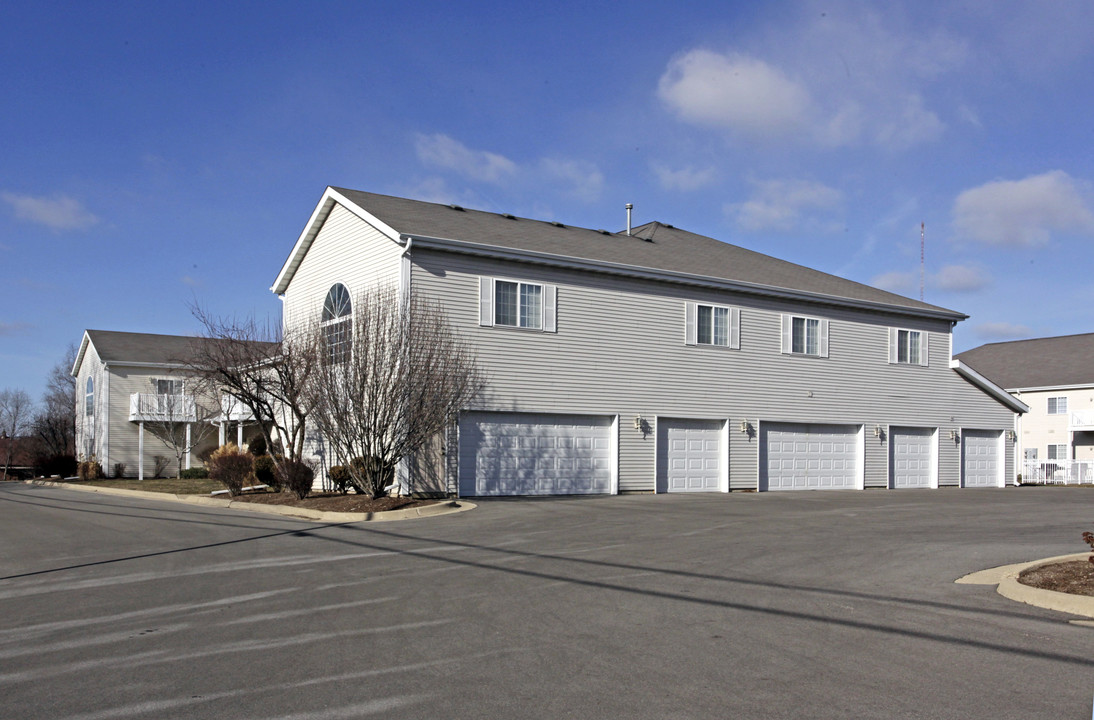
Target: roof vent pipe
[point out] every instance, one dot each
(630, 206)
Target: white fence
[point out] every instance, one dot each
(1065, 472)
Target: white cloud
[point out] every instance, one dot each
(733, 91)
(583, 179)
(8, 329)
(1003, 331)
(960, 278)
(684, 179)
(897, 282)
(847, 76)
(784, 205)
(59, 212)
(442, 151)
(1025, 212)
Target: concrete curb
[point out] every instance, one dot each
(442, 508)
(1006, 579)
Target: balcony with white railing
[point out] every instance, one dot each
(1081, 421)
(151, 407)
(232, 410)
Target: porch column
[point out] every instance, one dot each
(187, 446)
(239, 434)
(140, 453)
(220, 439)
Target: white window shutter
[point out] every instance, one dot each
(735, 328)
(894, 339)
(486, 301)
(689, 323)
(787, 341)
(550, 295)
(923, 348)
(822, 341)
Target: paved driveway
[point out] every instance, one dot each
(791, 605)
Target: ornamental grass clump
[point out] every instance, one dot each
(231, 467)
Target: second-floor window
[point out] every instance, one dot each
(168, 387)
(1057, 405)
(804, 336)
(712, 325)
(907, 347)
(337, 323)
(89, 398)
(517, 304)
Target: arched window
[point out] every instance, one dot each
(337, 323)
(89, 398)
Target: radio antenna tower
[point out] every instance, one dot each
(922, 271)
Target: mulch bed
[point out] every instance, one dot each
(1075, 577)
(334, 502)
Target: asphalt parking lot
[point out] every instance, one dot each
(791, 605)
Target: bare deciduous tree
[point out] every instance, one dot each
(180, 418)
(15, 415)
(391, 381)
(54, 425)
(261, 369)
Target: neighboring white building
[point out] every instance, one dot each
(128, 381)
(1054, 376)
(660, 360)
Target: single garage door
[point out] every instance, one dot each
(982, 458)
(798, 456)
(912, 457)
(689, 455)
(534, 454)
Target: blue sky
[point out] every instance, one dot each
(158, 154)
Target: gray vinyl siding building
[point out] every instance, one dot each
(803, 380)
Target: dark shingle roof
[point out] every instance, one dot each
(654, 246)
(1041, 362)
(114, 346)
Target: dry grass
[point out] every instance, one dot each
(197, 486)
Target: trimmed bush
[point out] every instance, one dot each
(296, 477)
(160, 464)
(340, 478)
(264, 470)
(257, 446)
(231, 467)
(194, 473)
(49, 465)
(119, 470)
(90, 470)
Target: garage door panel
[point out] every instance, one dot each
(534, 454)
(982, 461)
(690, 455)
(802, 456)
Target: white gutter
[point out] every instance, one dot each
(989, 387)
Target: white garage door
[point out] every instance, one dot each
(911, 457)
(689, 455)
(981, 458)
(809, 457)
(534, 454)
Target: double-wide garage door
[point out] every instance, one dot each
(534, 454)
(802, 456)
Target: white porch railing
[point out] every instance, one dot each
(1081, 420)
(232, 410)
(1066, 472)
(151, 407)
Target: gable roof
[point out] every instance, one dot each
(1038, 363)
(112, 346)
(670, 253)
